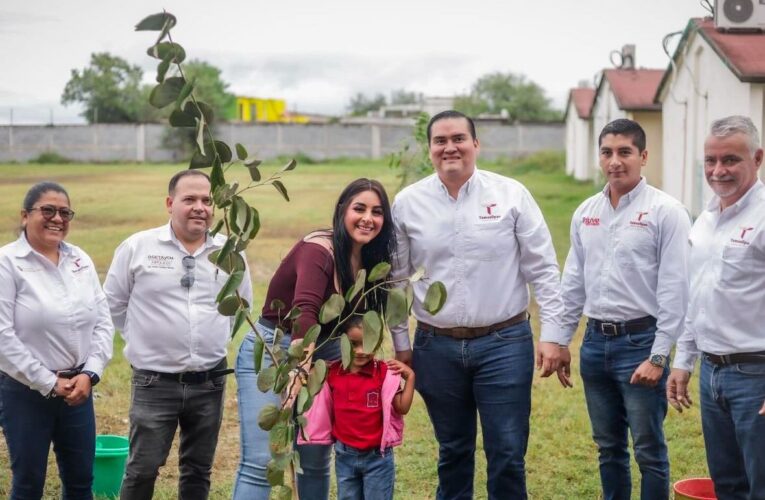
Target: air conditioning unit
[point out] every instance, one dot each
(740, 15)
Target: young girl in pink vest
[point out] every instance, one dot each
(361, 410)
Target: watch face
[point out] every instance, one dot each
(658, 360)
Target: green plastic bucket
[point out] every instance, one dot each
(109, 465)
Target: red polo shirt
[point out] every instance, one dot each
(357, 404)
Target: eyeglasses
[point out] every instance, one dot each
(49, 211)
(189, 263)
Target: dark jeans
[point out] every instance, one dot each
(490, 376)
(158, 406)
(615, 407)
(30, 423)
(734, 432)
(364, 475)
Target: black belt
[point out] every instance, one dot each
(732, 359)
(614, 328)
(192, 378)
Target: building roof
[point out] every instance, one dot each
(634, 89)
(583, 99)
(741, 52)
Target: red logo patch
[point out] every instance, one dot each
(591, 221)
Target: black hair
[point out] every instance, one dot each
(443, 115)
(381, 249)
(354, 321)
(180, 175)
(627, 128)
(35, 193)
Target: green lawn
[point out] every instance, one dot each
(113, 201)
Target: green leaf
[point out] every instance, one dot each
(296, 456)
(239, 319)
(417, 276)
(311, 335)
(332, 308)
(156, 22)
(282, 377)
(346, 351)
(293, 314)
(216, 175)
(254, 223)
(225, 251)
(358, 286)
(254, 173)
(229, 288)
(193, 109)
(289, 166)
(302, 399)
(223, 151)
(216, 229)
(234, 262)
(282, 190)
(409, 297)
(435, 297)
(395, 310)
(186, 91)
(252, 162)
(274, 475)
(277, 304)
(167, 51)
(379, 272)
(166, 92)
(241, 152)
(372, 331)
(266, 379)
(228, 306)
(162, 69)
(257, 353)
(281, 492)
(180, 119)
(316, 377)
(268, 417)
(296, 350)
(242, 214)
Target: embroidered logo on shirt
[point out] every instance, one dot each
(488, 206)
(591, 221)
(373, 399)
(77, 266)
(161, 261)
(741, 241)
(638, 222)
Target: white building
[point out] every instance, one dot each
(579, 142)
(712, 75)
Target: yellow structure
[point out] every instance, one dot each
(255, 109)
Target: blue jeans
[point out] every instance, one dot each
(315, 460)
(615, 406)
(364, 475)
(30, 423)
(490, 376)
(158, 407)
(734, 432)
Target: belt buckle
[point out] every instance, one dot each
(725, 359)
(191, 378)
(613, 327)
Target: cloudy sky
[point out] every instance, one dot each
(317, 54)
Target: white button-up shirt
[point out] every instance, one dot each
(168, 327)
(52, 317)
(628, 262)
(726, 312)
(486, 246)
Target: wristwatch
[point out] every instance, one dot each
(658, 360)
(94, 379)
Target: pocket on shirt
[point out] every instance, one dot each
(484, 242)
(737, 267)
(637, 249)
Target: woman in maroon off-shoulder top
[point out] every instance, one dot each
(322, 263)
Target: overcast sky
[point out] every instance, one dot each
(317, 54)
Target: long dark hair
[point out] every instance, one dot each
(381, 249)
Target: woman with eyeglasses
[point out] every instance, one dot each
(56, 337)
(322, 263)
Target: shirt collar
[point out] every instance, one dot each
(23, 248)
(168, 236)
(367, 370)
(634, 193)
(464, 189)
(714, 203)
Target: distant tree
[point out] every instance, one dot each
(360, 104)
(109, 89)
(210, 87)
(496, 93)
(402, 96)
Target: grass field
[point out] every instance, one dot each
(113, 201)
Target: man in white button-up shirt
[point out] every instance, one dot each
(726, 313)
(161, 289)
(626, 271)
(484, 237)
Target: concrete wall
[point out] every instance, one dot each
(604, 111)
(651, 123)
(701, 91)
(143, 143)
